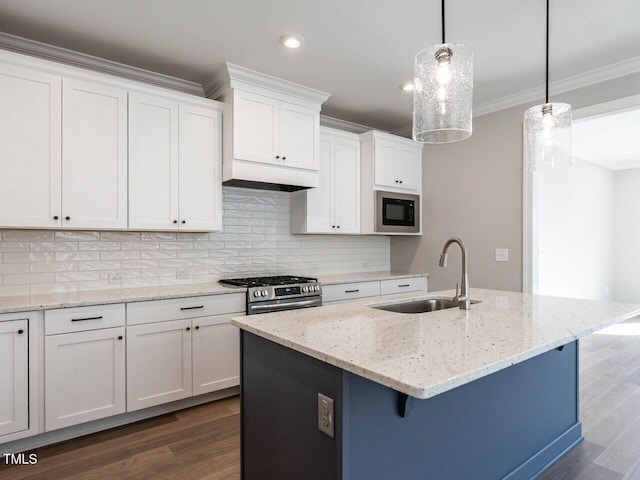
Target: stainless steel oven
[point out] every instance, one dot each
(397, 212)
(278, 293)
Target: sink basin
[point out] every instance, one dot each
(423, 306)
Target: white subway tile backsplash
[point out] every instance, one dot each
(255, 241)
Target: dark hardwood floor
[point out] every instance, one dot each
(202, 443)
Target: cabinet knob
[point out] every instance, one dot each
(56, 217)
(338, 226)
(175, 221)
(333, 226)
(188, 328)
(67, 218)
(284, 158)
(20, 332)
(277, 156)
(183, 221)
(400, 181)
(119, 337)
(197, 327)
(397, 181)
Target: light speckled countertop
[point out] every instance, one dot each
(103, 297)
(424, 355)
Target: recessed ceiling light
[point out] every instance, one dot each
(292, 41)
(407, 87)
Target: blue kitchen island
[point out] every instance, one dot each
(490, 393)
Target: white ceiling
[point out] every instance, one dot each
(612, 141)
(358, 50)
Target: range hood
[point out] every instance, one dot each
(271, 130)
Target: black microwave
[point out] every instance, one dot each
(397, 212)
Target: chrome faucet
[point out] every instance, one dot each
(463, 297)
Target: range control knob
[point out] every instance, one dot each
(264, 293)
(256, 293)
(305, 289)
(317, 288)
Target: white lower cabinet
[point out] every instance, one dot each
(158, 363)
(349, 292)
(14, 376)
(178, 348)
(84, 349)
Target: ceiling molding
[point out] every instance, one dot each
(241, 77)
(406, 131)
(575, 82)
(606, 108)
(343, 125)
(77, 59)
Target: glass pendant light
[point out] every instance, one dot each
(443, 92)
(547, 129)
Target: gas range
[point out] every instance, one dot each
(278, 293)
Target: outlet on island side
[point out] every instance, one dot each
(325, 415)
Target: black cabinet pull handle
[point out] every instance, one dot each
(188, 328)
(184, 221)
(352, 291)
(175, 221)
(397, 181)
(56, 217)
(284, 158)
(277, 156)
(192, 308)
(197, 327)
(404, 285)
(338, 226)
(400, 181)
(20, 332)
(119, 337)
(333, 226)
(67, 218)
(85, 319)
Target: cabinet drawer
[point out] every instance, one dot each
(178, 308)
(350, 291)
(403, 285)
(81, 319)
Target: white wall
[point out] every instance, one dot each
(574, 221)
(255, 241)
(626, 286)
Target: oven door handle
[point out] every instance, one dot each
(274, 307)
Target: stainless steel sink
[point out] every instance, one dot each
(423, 306)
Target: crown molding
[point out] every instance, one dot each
(242, 77)
(82, 60)
(406, 131)
(343, 125)
(568, 84)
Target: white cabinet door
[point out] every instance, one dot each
(408, 171)
(346, 186)
(94, 155)
(153, 163)
(200, 169)
(216, 354)
(84, 376)
(319, 200)
(14, 376)
(384, 163)
(299, 127)
(30, 159)
(158, 363)
(256, 129)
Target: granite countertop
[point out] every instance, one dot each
(424, 355)
(103, 297)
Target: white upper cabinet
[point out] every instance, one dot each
(94, 155)
(396, 162)
(271, 130)
(333, 207)
(30, 151)
(174, 165)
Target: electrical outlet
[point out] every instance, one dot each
(116, 278)
(325, 415)
(183, 275)
(502, 254)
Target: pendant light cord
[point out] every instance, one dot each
(547, 55)
(443, 20)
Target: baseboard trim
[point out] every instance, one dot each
(545, 458)
(68, 433)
